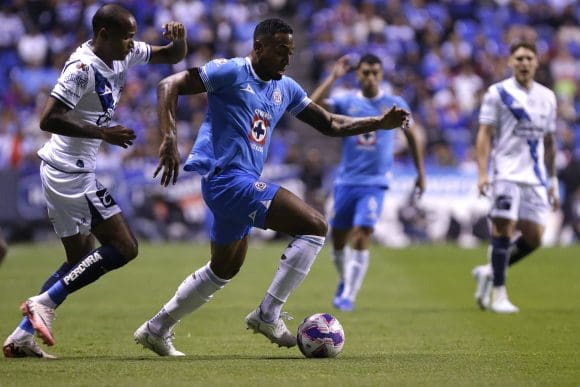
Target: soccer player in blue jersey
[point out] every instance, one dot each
(79, 114)
(364, 172)
(247, 97)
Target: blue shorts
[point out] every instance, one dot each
(238, 202)
(357, 205)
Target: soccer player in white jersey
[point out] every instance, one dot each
(517, 122)
(247, 97)
(364, 172)
(78, 113)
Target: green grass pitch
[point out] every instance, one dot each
(415, 323)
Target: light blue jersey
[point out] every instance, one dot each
(243, 111)
(366, 158)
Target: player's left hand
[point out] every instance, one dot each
(419, 186)
(168, 161)
(394, 118)
(174, 31)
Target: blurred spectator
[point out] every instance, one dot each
(312, 176)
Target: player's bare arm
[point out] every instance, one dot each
(169, 89)
(550, 160)
(482, 151)
(417, 152)
(336, 125)
(174, 51)
(55, 119)
(340, 68)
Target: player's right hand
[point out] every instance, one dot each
(483, 185)
(168, 162)
(118, 135)
(394, 118)
(342, 66)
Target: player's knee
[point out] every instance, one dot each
(534, 241)
(225, 270)
(128, 248)
(317, 225)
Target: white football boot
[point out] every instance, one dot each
(24, 347)
(41, 318)
(276, 331)
(500, 302)
(161, 345)
(483, 276)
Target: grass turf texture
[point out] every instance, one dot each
(416, 323)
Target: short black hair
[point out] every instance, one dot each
(523, 44)
(112, 17)
(271, 27)
(370, 59)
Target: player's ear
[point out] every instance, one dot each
(102, 34)
(258, 46)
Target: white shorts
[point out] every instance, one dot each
(76, 202)
(520, 202)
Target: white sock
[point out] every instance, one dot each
(340, 260)
(195, 291)
(44, 299)
(498, 293)
(292, 269)
(356, 270)
(20, 334)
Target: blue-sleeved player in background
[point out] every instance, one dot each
(247, 97)
(364, 172)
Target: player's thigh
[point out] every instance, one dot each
(290, 215)
(237, 203)
(505, 207)
(533, 214)
(369, 207)
(343, 208)
(76, 203)
(534, 205)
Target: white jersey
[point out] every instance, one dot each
(92, 90)
(521, 119)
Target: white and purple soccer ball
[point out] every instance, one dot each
(320, 335)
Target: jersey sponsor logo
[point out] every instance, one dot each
(260, 185)
(248, 89)
(528, 130)
(367, 139)
(277, 97)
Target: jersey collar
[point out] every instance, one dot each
(376, 97)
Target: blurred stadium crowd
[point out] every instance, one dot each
(439, 55)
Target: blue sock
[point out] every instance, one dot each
(499, 259)
(89, 269)
(62, 270)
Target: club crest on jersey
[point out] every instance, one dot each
(277, 97)
(367, 139)
(260, 186)
(259, 129)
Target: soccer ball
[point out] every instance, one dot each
(320, 335)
